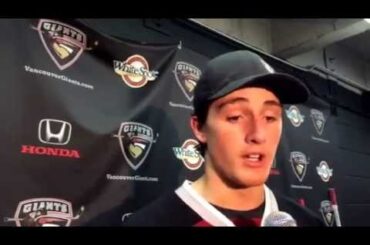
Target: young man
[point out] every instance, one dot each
(238, 121)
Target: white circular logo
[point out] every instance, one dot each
(191, 158)
(324, 171)
(295, 116)
(135, 71)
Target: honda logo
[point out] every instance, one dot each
(54, 132)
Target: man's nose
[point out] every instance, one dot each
(256, 133)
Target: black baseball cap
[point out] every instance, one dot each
(237, 69)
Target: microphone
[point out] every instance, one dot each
(280, 219)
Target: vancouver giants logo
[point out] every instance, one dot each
(52, 132)
(38, 212)
(318, 120)
(299, 164)
(134, 71)
(187, 76)
(135, 140)
(327, 212)
(64, 43)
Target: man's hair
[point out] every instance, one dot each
(202, 114)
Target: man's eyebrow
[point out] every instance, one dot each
(232, 101)
(273, 103)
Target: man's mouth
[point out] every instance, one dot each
(254, 157)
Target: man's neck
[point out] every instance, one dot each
(215, 191)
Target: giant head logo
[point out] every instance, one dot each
(327, 212)
(318, 120)
(299, 164)
(135, 140)
(187, 76)
(44, 212)
(64, 43)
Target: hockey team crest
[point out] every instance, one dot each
(327, 212)
(44, 212)
(318, 120)
(134, 71)
(187, 76)
(135, 140)
(64, 43)
(299, 163)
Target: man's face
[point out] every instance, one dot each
(242, 133)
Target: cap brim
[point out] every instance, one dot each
(287, 88)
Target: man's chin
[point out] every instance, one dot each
(247, 183)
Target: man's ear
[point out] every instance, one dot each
(197, 129)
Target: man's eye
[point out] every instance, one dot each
(270, 119)
(233, 119)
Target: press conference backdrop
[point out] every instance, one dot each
(95, 126)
